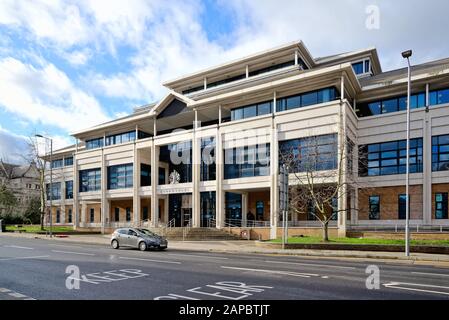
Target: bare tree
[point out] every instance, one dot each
(36, 154)
(322, 176)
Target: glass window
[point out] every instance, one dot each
(263, 108)
(54, 192)
(70, 216)
(94, 143)
(145, 175)
(441, 205)
(440, 153)
(69, 189)
(293, 102)
(237, 114)
(145, 213)
(358, 67)
(439, 97)
(90, 180)
(250, 111)
(306, 99)
(56, 163)
(390, 105)
(208, 165)
(248, 161)
(374, 207)
(121, 138)
(120, 176)
(367, 66)
(402, 205)
(161, 176)
(116, 214)
(68, 161)
(128, 214)
(92, 215)
(374, 108)
(390, 158)
(312, 153)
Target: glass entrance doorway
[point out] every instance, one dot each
(180, 209)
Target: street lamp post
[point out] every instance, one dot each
(406, 55)
(51, 180)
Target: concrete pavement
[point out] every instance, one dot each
(248, 247)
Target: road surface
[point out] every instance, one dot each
(42, 269)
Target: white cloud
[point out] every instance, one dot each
(77, 57)
(57, 21)
(166, 39)
(46, 95)
(13, 148)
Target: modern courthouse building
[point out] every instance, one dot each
(207, 154)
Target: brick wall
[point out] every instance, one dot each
(438, 188)
(121, 205)
(389, 202)
(254, 197)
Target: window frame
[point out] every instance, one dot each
(371, 216)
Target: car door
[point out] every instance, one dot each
(132, 238)
(122, 237)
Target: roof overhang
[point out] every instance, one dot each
(399, 84)
(309, 78)
(353, 56)
(266, 56)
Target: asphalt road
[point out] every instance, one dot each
(41, 269)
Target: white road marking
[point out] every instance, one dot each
(17, 295)
(196, 256)
(288, 273)
(432, 274)
(151, 260)
(19, 247)
(403, 286)
(71, 252)
(310, 264)
(23, 258)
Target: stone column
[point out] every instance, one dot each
(427, 169)
(154, 183)
(274, 190)
(244, 208)
(83, 212)
(342, 192)
(76, 208)
(136, 187)
(63, 213)
(104, 186)
(219, 194)
(196, 160)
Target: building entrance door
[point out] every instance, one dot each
(186, 217)
(186, 209)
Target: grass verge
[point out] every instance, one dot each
(37, 228)
(310, 240)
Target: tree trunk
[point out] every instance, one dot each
(325, 232)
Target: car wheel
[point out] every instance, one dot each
(115, 244)
(142, 246)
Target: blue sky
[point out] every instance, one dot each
(67, 65)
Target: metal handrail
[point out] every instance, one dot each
(211, 223)
(398, 227)
(171, 223)
(185, 230)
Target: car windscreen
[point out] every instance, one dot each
(147, 232)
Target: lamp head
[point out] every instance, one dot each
(407, 54)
